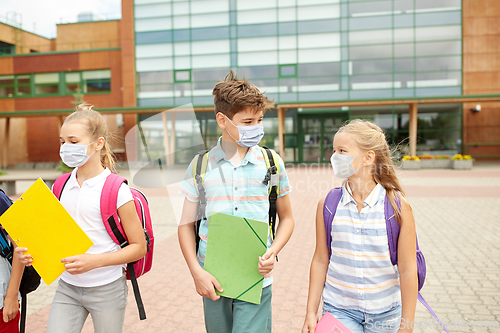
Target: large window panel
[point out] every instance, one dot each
(155, 77)
(319, 40)
(288, 57)
(286, 3)
(318, 12)
(181, 22)
(438, 33)
(209, 47)
(259, 72)
(372, 66)
(203, 6)
(47, 83)
(317, 84)
(404, 35)
(316, 2)
(154, 64)
(439, 63)
(257, 44)
(438, 4)
(153, 89)
(320, 69)
(258, 58)
(444, 18)
(153, 24)
(370, 37)
(7, 86)
(446, 79)
(316, 26)
(210, 33)
(403, 65)
(182, 48)
(182, 62)
(403, 5)
(369, 82)
(72, 81)
(369, 23)
(404, 79)
(153, 10)
(153, 50)
(257, 30)
(255, 4)
(23, 85)
(181, 8)
(211, 61)
(439, 48)
(209, 74)
(96, 81)
(287, 42)
(319, 55)
(210, 20)
(256, 16)
(370, 8)
(404, 50)
(370, 52)
(287, 14)
(151, 37)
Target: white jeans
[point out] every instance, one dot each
(71, 306)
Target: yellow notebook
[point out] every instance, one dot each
(39, 222)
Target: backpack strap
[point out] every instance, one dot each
(332, 200)
(392, 227)
(199, 166)
(109, 213)
(59, 185)
(272, 175)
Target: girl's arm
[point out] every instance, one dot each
(283, 234)
(317, 277)
(11, 302)
(203, 280)
(134, 251)
(407, 265)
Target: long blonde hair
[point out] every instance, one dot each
(96, 127)
(369, 136)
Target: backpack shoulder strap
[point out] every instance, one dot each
(109, 199)
(59, 184)
(392, 227)
(272, 175)
(332, 201)
(199, 166)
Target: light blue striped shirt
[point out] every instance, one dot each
(235, 190)
(360, 273)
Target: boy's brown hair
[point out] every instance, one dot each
(234, 94)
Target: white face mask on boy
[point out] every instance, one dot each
(74, 155)
(342, 165)
(249, 135)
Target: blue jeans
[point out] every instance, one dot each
(360, 322)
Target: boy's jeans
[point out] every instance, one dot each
(360, 322)
(227, 315)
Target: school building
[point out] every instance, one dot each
(426, 71)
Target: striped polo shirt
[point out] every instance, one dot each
(360, 273)
(235, 190)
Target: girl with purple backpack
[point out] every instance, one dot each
(94, 282)
(358, 283)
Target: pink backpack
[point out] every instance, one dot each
(109, 213)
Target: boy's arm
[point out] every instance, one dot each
(204, 281)
(283, 234)
(10, 302)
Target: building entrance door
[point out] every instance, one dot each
(316, 133)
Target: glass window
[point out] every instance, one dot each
(434, 4)
(152, 10)
(154, 88)
(210, 61)
(286, 3)
(320, 69)
(317, 84)
(287, 42)
(259, 72)
(370, 52)
(155, 77)
(181, 8)
(403, 5)
(153, 37)
(209, 47)
(202, 7)
(306, 27)
(181, 35)
(439, 48)
(403, 50)
(181, 22)
(209, 33)
(288, 57)
(287, 28)
(23, 85)
(258, 58)
(96, 81)
(287, 14)
(182, 76)
(369, 23)
(153, 24)
(7, 86)
(445, 79)
(209, 20)
(143, 2)
(72, 81)
(403, 65)
(255, 4)
(373, 82)
(372, 66)
(319, 55)
(182, 62)
(370, 8)
(370, 37)
(182, 48)
(154, 64)
(211, 75)
(257, 44)
(439, 63)
(319, 40)
(153, 50)
(444, 18)
(318, 12)
(288, 70)
(256, 30)
(47, 83)
(439, 33)
(315, 2)
(256, 16)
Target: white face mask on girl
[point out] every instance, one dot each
(74, 155)
(249, 135)
(342, 165)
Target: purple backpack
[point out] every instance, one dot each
(332, 201)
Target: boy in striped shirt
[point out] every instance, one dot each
(233, 185)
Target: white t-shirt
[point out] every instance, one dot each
(83, 204)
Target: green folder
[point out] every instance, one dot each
(233, 250)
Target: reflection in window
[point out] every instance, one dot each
(319, 69)
(96, 81)
(439, 63)
(23, 85)
(7, 86)
(47, 83)
(72, 81)
(372, 66)
(182, 76)
(155, 77)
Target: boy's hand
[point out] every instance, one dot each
(310, 323)
(205, 283)
(266, 262)
(10, 308)
(25, 259)
(79, 264)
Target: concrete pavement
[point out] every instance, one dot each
(457, 214)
